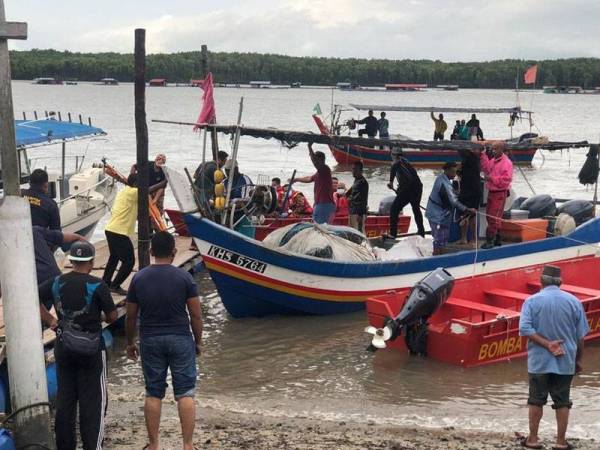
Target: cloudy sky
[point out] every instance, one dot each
(449, 30)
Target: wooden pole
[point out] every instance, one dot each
(236, 143)
(24, 349)
(205, 67)
(141, 135)
(204, 60)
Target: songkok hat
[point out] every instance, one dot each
(551, 274)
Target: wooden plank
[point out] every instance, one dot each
(515, 295)
(13, 30)
(572, 289)
(482, 307)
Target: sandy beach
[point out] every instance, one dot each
(228, 430)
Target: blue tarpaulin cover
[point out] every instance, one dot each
(31, 132)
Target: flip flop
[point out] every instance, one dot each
(568, 446)
(522, 441)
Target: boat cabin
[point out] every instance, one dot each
(158, 82)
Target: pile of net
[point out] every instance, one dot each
(337, 243)
(412, 247)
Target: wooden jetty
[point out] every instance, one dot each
(185, 258)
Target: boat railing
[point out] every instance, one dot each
(83, 198)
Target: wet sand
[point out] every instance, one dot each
(228, 430)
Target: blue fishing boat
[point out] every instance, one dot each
(254, 280)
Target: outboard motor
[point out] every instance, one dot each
(424, 299)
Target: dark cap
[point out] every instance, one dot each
(82, 251)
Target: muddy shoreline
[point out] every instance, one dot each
(229, 430)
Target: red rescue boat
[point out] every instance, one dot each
(479, 323)
(375, 225)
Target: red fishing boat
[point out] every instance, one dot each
(375, 225)
(479, 323)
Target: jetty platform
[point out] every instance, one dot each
(185, 258)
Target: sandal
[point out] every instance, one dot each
(568, 446)
(522, 441)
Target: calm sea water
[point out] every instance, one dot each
(317, 366)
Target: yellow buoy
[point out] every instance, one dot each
(218, 176)
(219, 190)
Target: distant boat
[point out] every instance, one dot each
(260, 84)
(448, 87)
(296, 84)
(46, 80)
(158, 82)
(406, 87)
(563, 90)
(109, 82)
(71, 82)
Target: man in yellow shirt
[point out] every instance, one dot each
(118, 233)
(440, 127)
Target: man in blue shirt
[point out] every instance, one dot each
(166, 298)
(555, 324)
(442, 201)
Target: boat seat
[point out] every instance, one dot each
(482, 307)
(507, 293)
(571, 288)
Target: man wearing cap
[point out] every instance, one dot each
(555, 324)
(79, 300)
(44, 210)
(409, 190)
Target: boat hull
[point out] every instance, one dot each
(479, 324)
(253, 280)
(346, 155)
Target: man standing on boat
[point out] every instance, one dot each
(80, 353)
(442, 201)
(409, 190)
(358, 198)
(157, 180)
(44, 210)
(498, 171)
(555, 325)
(324, 206)
(440, 127)
(470, 192)
(371, 125)
(384, 126)
(204, 176)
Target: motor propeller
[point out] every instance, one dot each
(424, 299)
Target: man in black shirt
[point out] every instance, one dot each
(156, 180)
(44, 241)
(44, 210)
(409, 190)
(204, 177)
(79, 299)
(371, 125)
(470, 191)
(358, 197)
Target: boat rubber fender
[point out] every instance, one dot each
(580, 210)
(539, 206)
(564, 224)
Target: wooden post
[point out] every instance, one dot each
(141, 135)
(204, 60)
(205, 67)
(24, 349)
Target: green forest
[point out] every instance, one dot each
(279, 69)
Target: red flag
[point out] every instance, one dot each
(207, 113)
(530, 75)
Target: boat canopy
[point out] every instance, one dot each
(32, 133)
(515, 109)
(291, 138)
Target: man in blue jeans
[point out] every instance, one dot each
(164, 295)
(555, 325)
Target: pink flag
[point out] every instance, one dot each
(207, 113)
(531, 75)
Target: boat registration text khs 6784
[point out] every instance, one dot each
(237, 259)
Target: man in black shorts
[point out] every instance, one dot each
(470, 193)
(555, 324)
(79, 299)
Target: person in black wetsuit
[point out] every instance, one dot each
(470, 191)
(204, 176)
(409, 190)
(371, 125)
(474, 128)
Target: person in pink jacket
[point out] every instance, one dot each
(498, 171)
